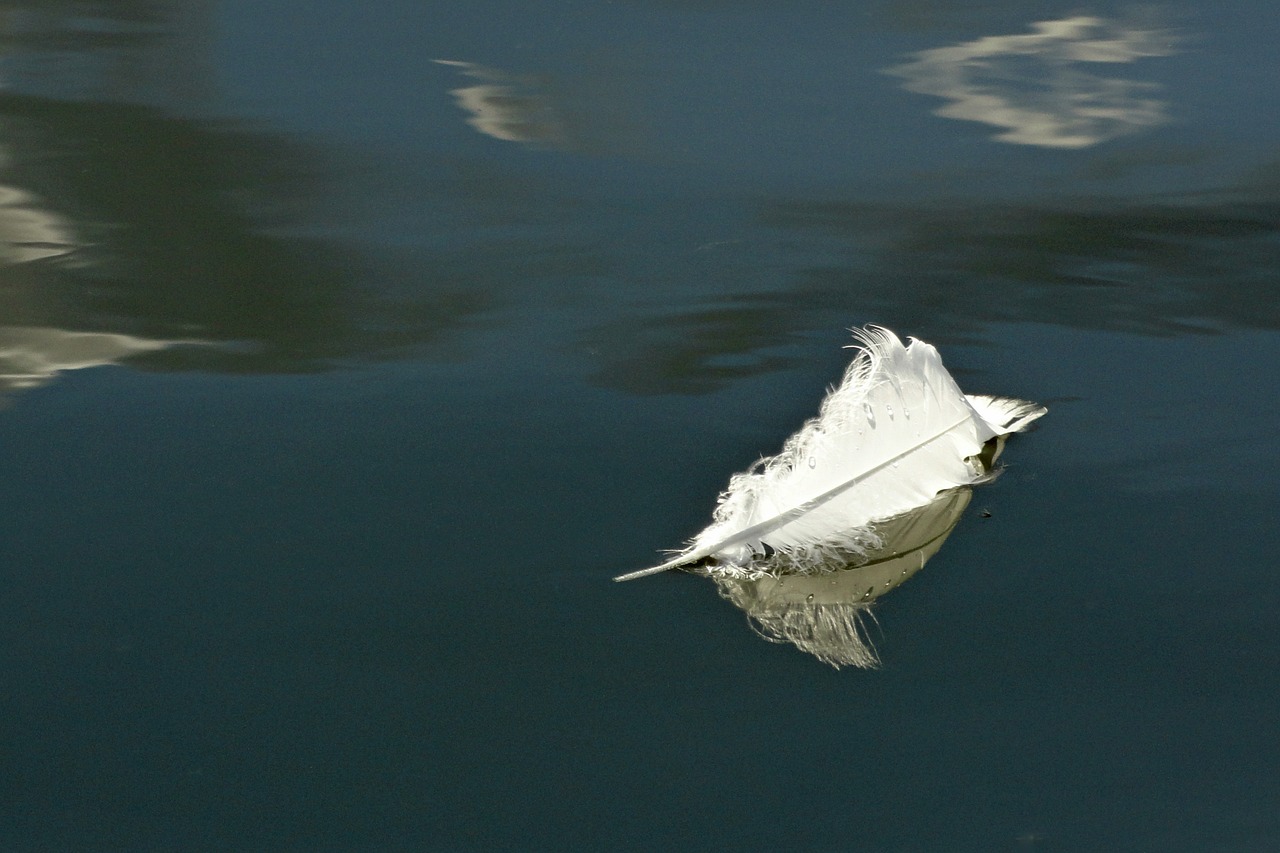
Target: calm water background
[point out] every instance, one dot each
(407, 358)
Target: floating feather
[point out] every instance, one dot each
(893, 435)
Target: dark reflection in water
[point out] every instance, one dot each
(1152, 269)
(694, 351)
(141, 50)
(173, 221)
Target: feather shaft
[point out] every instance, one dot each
(760, 529)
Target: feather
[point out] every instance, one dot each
(895, 433)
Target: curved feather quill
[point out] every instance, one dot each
(895, 433)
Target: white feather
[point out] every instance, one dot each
(895, 433)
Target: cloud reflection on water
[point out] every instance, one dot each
(30, 356)
(505, 106)
(187, 230)
(1035, 85)
(190, 229)
(28, 232)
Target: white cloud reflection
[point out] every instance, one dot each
(504, 106)
(1036, 85)
(29, 233)
(31, 355)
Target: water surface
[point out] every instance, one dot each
(347, 354)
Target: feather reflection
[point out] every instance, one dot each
(1035, 87)
(826, 614)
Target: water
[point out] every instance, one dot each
(397, 361)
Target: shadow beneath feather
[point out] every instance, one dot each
(825, 614)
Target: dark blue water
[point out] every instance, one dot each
(339, 380)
